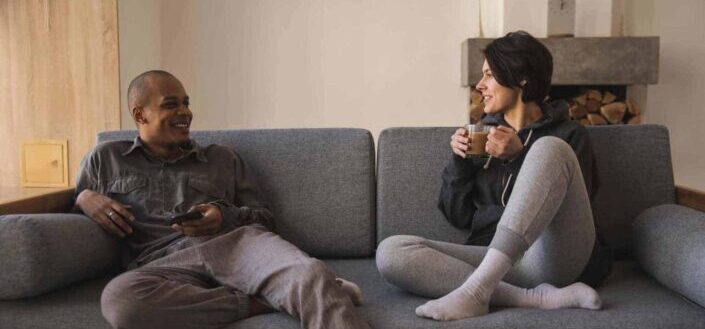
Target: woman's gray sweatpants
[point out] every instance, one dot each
(546, 229)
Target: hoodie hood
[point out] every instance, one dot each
(554, 113)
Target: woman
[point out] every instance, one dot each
(527, 207)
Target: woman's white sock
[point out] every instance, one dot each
(472, 298)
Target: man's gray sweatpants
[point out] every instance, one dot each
(546, 229)
(207, 285)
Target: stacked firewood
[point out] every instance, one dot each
(477, 106)
(589, 108)
(597, 108)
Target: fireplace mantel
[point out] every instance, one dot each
(583, 61)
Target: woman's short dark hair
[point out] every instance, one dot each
(518, 57)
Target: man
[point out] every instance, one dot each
(203, 273)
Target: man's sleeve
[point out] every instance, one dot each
(87, 178)
(458, 183)
(247, 207)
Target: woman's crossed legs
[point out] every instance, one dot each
(544, 238)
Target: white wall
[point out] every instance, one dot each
(677, 100)
(374, 63)
(139, 42)
(370, 64)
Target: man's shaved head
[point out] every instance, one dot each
(140, 88)
(159, 106)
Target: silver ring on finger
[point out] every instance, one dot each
(110, 214)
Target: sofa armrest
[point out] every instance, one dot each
(669, 245)
(690, 198)
(42, 252)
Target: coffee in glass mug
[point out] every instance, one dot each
(477, 133)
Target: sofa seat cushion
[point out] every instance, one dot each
(76, 306)
(631, 300)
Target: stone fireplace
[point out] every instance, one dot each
(604, 79)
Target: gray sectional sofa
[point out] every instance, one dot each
(332, 198)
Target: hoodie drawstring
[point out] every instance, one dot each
(511, 175)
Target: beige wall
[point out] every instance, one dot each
(140, 45)
(308, 63)
(676, 101)
(373, 63)
(58, 77)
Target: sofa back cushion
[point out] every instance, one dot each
(634, 170)
(318, 182)
(635, 173)
(409, 166)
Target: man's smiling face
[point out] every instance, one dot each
(166, 117)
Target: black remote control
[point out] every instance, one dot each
(180, 218)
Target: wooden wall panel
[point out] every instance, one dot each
(690, 197)
(59, 76)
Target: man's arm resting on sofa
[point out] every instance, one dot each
(690, 198)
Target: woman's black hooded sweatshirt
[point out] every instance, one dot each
(473, 198)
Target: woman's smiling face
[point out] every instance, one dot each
(497, 98)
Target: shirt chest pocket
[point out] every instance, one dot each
(128, 190)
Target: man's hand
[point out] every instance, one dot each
(209, 224)
(111, 215)
(503, 143)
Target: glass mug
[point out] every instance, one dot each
(477, 133)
